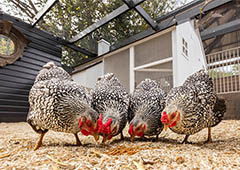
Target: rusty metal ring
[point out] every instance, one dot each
(20, 42)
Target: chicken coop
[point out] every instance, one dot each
(174, 46)
(19, 69)
(151, 58)
(182, 46)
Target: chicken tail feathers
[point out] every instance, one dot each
(219, 110)
(36, 128)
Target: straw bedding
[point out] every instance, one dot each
(58, 152)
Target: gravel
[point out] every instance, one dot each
(58, 152)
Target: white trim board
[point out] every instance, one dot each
(165, 60)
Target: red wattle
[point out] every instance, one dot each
(140, 134)
(164, 118)
(173, 124)
(84, 132)
(130, 131)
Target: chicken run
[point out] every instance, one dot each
(143, 130)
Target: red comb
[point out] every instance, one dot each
(144, 127)
(105, 128)
(88, 121)
(164, 117)
(99, 124)
(130, 131)
(108, 122)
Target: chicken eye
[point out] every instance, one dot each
(114, 130)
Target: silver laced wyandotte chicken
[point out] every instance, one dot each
(58, 103)
(193, 106)
(145, 109)
(111, 100)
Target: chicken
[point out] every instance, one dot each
(193, 106)
(57, 103)
(111, 100)
(145, 108)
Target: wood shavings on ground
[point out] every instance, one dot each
(56, 161)
(122, 149)
(4, 155)
(59, 152)
(139, 166)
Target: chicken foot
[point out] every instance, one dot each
(39, 142)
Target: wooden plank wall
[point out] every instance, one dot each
(17, 79)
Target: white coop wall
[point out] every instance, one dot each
(188, 53)
(89, 76)
(153, 59)
(169, 57)
(119, 65)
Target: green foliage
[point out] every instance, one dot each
(6, 45)
(69, 17)
(226, 71)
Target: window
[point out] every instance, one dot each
(7, 46)
(12, 43)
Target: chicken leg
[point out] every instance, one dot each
(209, 140)
(39, 142)
(122, 137)
(186, 139)
(78, 142)
(157, 137)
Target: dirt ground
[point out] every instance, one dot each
(58, 151)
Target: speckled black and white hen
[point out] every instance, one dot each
(57, 103)
(111, 100)
(145, 109)
(193, 106)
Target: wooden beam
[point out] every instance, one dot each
(131, 69)
(155, 70)
(43, 11)
(142, 13)
(221, 30)
(165, 60)
(119, 11)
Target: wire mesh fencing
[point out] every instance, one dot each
(224, 67)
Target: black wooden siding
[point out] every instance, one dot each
(17, 79)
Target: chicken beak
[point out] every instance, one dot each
(132, 138)
(165, 127)
(96, 137)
